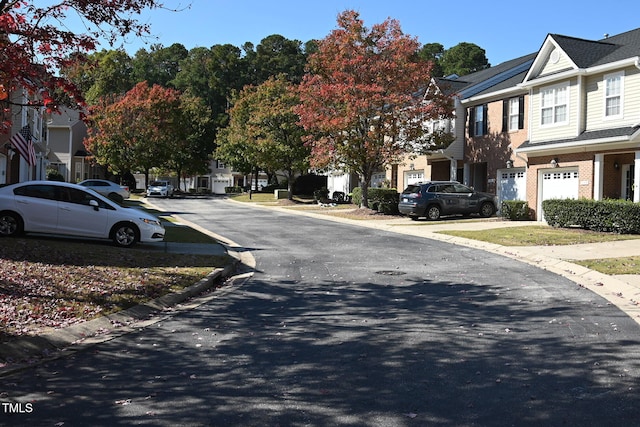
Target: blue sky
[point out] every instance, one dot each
(505, 29)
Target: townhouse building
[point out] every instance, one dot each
(562, 122)
(488, 125)
(584, 121)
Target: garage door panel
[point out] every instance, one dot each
(560, 184)
(513, 185)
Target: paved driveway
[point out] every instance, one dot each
(344, 325)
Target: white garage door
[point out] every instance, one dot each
(219, 185)
(513, 185)
(562, 184)
(413, 177)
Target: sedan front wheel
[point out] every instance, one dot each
(124, 235)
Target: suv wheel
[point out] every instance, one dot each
(486, 210)
(433, 212)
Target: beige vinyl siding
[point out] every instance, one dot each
(563, 63)
(595, 117)
(555, 131)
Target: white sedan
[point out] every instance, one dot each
(53, 207)
(160, 188)
(108, 189)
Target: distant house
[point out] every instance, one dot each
(14, 166)
(65, 133)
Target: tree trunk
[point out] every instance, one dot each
(290, 182)
(364, 185)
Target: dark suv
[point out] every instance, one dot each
(434, 198)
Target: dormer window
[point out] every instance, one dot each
(613, 95)
(554, 105)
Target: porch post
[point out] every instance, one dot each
(466, 171)
(598, 174)
(636, 178)
(453, 169)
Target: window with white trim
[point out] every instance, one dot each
(613, 94)
(479, 121)
(514, 113)
(554, 105)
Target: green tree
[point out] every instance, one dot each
(359, 101)
(433, 52)
(192, 138)
(213, 75)
(265, 121)
(275, 55)
(103, 75)
(464, 58)
(151, 126)
(234, 143)
(160, 65)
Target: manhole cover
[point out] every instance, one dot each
(391, 272)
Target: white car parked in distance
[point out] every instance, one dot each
(53, 207)
(108, 189)
(160, 188)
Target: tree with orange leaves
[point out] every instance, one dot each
(364, 99)
(35, 43)
(151, 126)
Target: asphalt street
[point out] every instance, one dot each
(353, 326)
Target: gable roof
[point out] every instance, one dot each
(585, 54)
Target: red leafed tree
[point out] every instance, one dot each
(137, 131)
(364, 100)
(35, 42)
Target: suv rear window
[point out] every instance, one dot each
(412, 189)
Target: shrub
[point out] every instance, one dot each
(356, 196)
(233, 190)
(272, 187)
(515, 210)
(54, 175)
(383, 200)
(617, 216)
(321, 195)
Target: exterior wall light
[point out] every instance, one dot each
(554, 162)
(509, 164)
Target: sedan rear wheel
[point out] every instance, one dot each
(433, 212)
(125, 235)
(10, 224)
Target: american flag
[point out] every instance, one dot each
(23, 143)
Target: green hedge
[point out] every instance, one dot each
(383, 200)
(515, 210)
(616, 216)
(233, 190)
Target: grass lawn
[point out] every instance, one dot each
(626, 265)
(541, 235)
(547, 236)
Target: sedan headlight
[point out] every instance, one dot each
(150, 221)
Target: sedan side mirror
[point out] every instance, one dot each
(95, 205)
